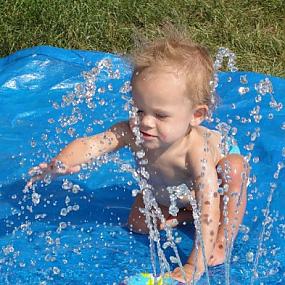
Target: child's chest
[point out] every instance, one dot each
(169, 171)
(167, 176)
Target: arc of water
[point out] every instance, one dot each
(230, 242)
(152, 210)
(197, 224)
(231, 65)
(263, 87)
(254, 275)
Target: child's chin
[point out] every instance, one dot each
(151, 145)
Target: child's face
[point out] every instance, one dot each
(165, 112)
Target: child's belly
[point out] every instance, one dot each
(164, 196)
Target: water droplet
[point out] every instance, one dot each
(243, 90)
(89, 130)
(226, 199)
(258, 99)
(71, 131)
(33, 143)
(55, 270)
(110, 87)
(55, 105)
(276, 175)
(249, 256)
(47, 179)
(235, 258)
(173, 259)
(126, 87)
(253, 136)
(234, 131)
(67, 200)
(244, 229)
(76, 188)
(75, 207)
(279, 107)
(255, 159)
(166, 245)
(36, 198)
(243, 79)
(264, 87)
(221, 190)
(140, 154)
(63, 212)
(245, 238)
(280, 165)
(178, 240)
(101, 90)
(49, 240)
(135, 192)
(66, 185)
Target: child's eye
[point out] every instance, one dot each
(139, 112)
(161, 116)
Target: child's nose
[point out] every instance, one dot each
(147, 121)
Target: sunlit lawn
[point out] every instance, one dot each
(254, 30)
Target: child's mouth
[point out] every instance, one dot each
(146, 135)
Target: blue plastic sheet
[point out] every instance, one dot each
(31, 82)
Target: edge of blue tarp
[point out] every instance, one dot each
(73, 56)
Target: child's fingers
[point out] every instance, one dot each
(38, 169)
(43, 165)
(29, 183)
(33, 179)
(74, 169)
(35, 171)
(177, 272)
(177, 275)
(39, 172)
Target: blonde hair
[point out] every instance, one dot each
(177, 51)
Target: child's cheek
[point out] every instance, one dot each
(131, 123)
(164, 137)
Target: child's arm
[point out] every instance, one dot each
(83, 150)
(208, 202)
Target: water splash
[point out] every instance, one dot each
(85, 94)
(26, 222)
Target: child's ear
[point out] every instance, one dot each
(199, 115)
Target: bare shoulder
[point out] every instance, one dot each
(204, 154)
(212, 137)
(212, 141)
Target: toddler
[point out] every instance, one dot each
(172, 96)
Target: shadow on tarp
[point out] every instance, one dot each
(94, 206)
(108, 205)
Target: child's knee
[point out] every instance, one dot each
(140, 228)
(233, 168)
(137, 224)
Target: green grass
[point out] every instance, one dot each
(253, 29)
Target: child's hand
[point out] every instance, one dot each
(50, 171)
(178, 275)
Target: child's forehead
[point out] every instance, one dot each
(160, 86)
(158, 72)
(159, 80)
